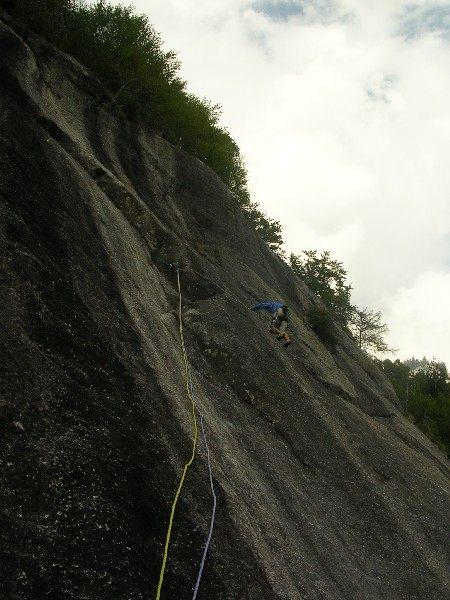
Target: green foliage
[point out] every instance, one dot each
(432, 379)
(268, 229)
(398, 374)
(327, 279)
(368, 330)
(124, 51)
(321, 322)
(425, 395)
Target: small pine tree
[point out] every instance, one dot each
(369, 331)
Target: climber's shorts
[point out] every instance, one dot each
(279, 321)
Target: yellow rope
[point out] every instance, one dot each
(194, 446)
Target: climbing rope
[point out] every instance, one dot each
(228, 293)
(213, 514)
(224, 290)
(194, 445)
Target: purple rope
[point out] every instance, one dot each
(213, 515)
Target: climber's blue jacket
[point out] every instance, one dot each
(271, 307)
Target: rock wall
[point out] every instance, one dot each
(325, 490)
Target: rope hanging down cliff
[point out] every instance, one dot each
(194, 446)
(213, 514)
(190, 392)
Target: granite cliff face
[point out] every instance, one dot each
(325, 491)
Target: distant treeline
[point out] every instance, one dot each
(425, 395)
(125, 52)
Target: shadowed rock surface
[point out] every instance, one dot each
(325, 491)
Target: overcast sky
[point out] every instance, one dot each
(342, 112)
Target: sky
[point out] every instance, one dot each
(342, 113)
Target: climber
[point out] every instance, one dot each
(279, 321)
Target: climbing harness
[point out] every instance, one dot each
(194, 445)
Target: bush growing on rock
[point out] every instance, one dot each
(125, 52)
(321, 322)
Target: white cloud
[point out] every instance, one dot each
(344, 122)
(419, 317)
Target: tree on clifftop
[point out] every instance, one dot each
(327, 279)
(124, 51)
(368, 330)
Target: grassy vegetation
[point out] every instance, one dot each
(125, 52)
